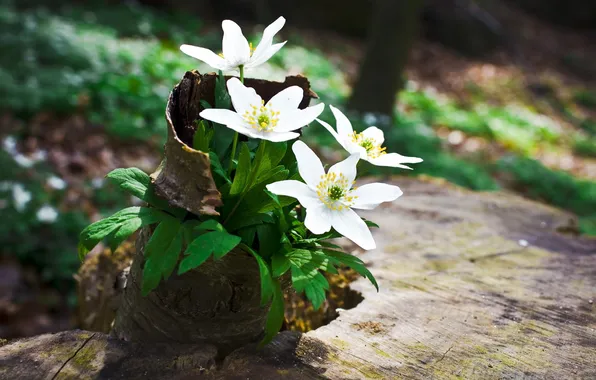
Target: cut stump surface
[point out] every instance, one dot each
(473, 286)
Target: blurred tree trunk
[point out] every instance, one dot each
(392, 30)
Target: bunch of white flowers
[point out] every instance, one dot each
(329, 198)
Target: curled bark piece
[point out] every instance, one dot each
(184, 178)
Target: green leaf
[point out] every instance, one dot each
(96, 232)
(202, 137)
(216, 243)
(280, 264)
(210, 225)
(352, 262)
(269, 239)
(205, 104)
(138, 183)
(217, 168)
(247, 234)
(370, 223)
(275, 317)
(269, 156)
(161, 253)
(257, 219)
(242, 173)
(265, 273)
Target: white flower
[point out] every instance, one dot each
(236, 51)
(47, 214)
(329, 198)
(20, 196)
(56, 183)
(367, 144)
(274, 121)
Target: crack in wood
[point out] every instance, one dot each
(73, 356)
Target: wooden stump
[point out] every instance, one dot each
(473, 286)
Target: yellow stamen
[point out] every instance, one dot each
(373, 149)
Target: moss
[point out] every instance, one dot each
(340, 344)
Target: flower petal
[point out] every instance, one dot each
(253, 62)
(346, 167)
(286, 100)
(205, 55)
(235, 47)
(375, 134)
(349, 147)
(309, 165)
(295, 189)
(344, 127)
(242, 96)
(350, 225)
(228, 118)
(275, 136)
(371, 195)
(394, 160)
(299, 118)
(265, 44)
(317, 220)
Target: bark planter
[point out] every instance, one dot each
(219, 302)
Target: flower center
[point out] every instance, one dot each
(334, 191)
(373, 150)
(261, 118)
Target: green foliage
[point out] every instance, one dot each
(555, 187)
(68, 61)
(161, 253)
(585, 146)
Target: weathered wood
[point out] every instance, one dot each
(473, 286)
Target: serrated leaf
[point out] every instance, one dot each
(96, 232)
(161, 253)
(275, 317)
(138, 183)
(265, 274)
(268, 157)
(280, 264)
(354, 263)
(216, 243)
(242, 172)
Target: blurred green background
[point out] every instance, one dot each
(493, 95)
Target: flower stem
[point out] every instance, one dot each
(234, 145)
(235, 142)
(253, 174)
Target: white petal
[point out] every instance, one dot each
(317, 221)
(298, 118)
(256, 61)
(276, 136)
(309, 165)
(394, 160)
(266, 41)
(347, 167)
(371, 195)
(287, 99)
(350, 225)
(242, 97)
(205, 55)
(234, 45)
(375, 134)
(344, 127)
(228, 118)
(295, 189)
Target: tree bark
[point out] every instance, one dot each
(392, 31)
(218, 302)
